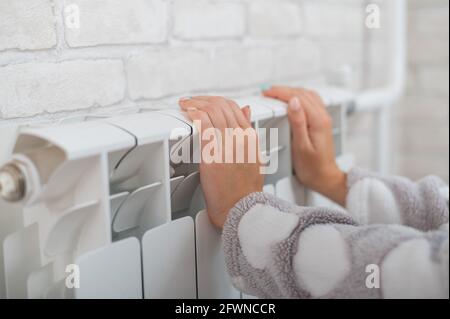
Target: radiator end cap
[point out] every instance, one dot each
(12, 183)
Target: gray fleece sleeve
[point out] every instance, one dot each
(274, 249)
(377, 199)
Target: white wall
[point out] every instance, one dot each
(149, 52)
(145, 50)
(422, 119)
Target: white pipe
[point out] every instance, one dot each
(389, 94)
(380, 100)
(382, 140)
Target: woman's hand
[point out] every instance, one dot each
(312, 144)
(225, 183)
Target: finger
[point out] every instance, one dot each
(317, 98)
(325, 115)
(308, 104)
(215, 111)
(208, 98)
(312, 112)
(239, 114)
(248, 114)
(299, 124)
(284, 94)
(227, 108)
(199, 118)
(310, 101)
(190, 103)
(201, 121)
(230, 115)
(317, 106)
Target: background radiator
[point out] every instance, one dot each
(102, 194)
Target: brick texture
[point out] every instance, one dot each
(151, 51)
(33, 88)
(421, 122)
(117, 22)
(202, 19)
(274, 18)
(27, 25)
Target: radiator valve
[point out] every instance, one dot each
(12, 183)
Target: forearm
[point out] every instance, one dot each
(333, 186)
(275, 249)
(260, 239)
(373, 198)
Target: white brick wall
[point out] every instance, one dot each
(255, 66)
(421, 122)
(274, 18)
(117, 22)
(156, 74)
(166, 48)
(128, 52)
(161, 73)
(33, 88)
(301, 59)
(203, 19)
(27, 25)
(340, 20)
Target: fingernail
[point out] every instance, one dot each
(191, 109)
(265, 87)
(294, 104)
(185, 98)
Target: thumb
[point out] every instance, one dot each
(299, 123)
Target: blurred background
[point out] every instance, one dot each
(420, 122)
(61, 58)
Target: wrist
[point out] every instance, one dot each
(220, 218)
(333, 185)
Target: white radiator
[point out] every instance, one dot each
(104, 205)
